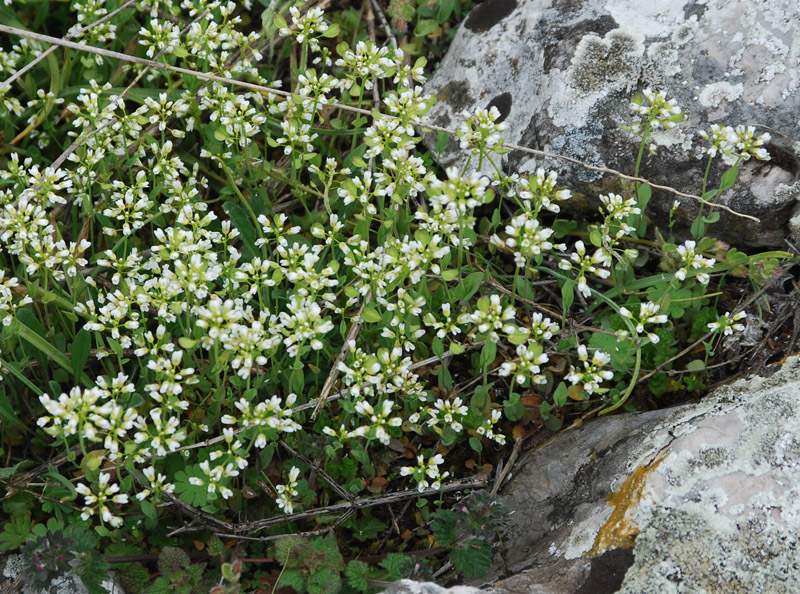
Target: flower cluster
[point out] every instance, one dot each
(424, 470)
(539, 192)
(728, 324)
(99, 500)
(583, 263)
(491, 316)
(737, 144)
(690, 259)
(481, 130)
(287, 492)
(592, 373)
(648, 314)
(657, 112)
(527, 239)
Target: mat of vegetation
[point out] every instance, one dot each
(254, 338)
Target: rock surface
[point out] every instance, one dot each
(562, 72)
(707, 496)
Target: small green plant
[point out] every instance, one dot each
(467, 530)
(62, 551)
(179, 575)
(310, 565)
(363, 577)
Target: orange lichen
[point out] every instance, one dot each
(620, 531)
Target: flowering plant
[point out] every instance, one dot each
(269, 309)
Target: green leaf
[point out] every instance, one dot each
(148, 509)
(472, 558)
(41, 343)
(475, 444)
(196, 495)
(728, 178)
(79, 352)
(332, 31)
(518, 338)
(445, 10)
(15, 532)
(437, 347)
(442, 139)
(449, 275)
(696, 365)
(12, 470)
(469, 286)
(513, 407)
(356, 574)
(456, 348)
(488, 354)
(370, 315)
(394, 564)
(643, 193)
(242, 222)
(187, 343)
(560, 394)
(567, 293)
(279, 21)
(480, 399)
(425, 27)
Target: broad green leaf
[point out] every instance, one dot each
(567, 294)
(729, 178)
(560, 394)
(442, 139)
(456, 348)
(437, 347)
(470, 285)
(449, 275)
(488, 353)
(79, 352)
(332, 31)
(242, 222)
(425, 27)
(41, 343)
(370, 315)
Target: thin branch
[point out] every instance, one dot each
(360, 503)
(51, 49)
(334, 373)
(387, 30)
(313, 403)
(264, 89)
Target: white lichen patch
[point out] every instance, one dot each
(655, 19)
(714, 94)
(724, 508)
(684, 33)
(673, 138)
(611, 63)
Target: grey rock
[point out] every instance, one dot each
(707, 496)
(562, 72)
(413, 587)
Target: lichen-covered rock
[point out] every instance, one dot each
(414, 587)
(707, 496)
(561, 72)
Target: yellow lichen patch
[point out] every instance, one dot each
(619, 531)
